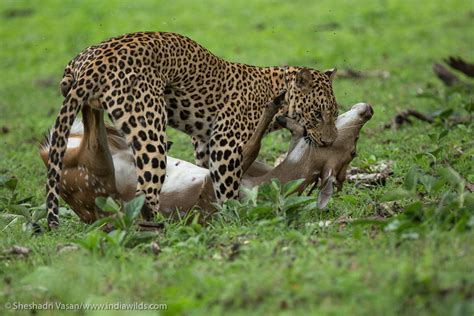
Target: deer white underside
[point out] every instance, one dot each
(180, 174)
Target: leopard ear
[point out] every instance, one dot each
(303, 79)
(331, 73)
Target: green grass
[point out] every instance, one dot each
(279, 268)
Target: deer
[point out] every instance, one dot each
(324, 165)
(98, 162)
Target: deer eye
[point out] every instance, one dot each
(353, 153)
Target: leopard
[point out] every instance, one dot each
(147, 81)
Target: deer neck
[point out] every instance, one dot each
(295, 166)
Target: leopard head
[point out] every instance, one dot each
(311, 101)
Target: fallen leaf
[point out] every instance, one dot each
(66, 248)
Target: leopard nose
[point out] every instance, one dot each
(326, 142)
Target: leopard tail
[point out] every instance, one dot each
(76, 98)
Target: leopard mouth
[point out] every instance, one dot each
(315, 141)
(309, 139)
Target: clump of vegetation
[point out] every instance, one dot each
(268, 201)
(435, 201)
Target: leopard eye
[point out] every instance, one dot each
(317, 116)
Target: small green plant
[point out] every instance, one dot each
(14, 209)
(124, 215)
(122, 223)
(10, 200)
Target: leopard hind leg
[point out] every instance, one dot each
(142, 118)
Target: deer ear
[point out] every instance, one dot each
(279, 99)
(331, 73)
(303, 79)
(326, 191)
